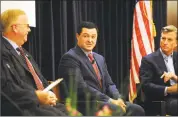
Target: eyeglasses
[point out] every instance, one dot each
(27, 25)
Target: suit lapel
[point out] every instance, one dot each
(175, 60)
(14, 53)
(93, 71)
(99, 64)
(161, 64)
(20, 59)
(160, 61)
(88, 63)
(90, 67)
(35, 67)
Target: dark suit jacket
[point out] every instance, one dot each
(76, 68)
(17, 82)
(151, 69)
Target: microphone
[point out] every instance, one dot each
(27, 56)
(93, 61)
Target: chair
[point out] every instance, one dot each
(61, 91)
(152, 108)
(9, 107)
(56, 90)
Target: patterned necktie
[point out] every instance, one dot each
(30, 67)
(92, 60)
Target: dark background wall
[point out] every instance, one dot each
(56, 28)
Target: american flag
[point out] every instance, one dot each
(142, 42)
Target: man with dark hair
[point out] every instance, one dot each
(159, 71)
(86, 74)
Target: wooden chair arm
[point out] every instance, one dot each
(55, 90)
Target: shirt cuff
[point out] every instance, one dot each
(109, 100)
(165, 91)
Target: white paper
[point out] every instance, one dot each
(53, 84)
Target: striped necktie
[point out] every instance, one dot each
(92, 60)
(31, 69)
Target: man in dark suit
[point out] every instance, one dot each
(21, 80)
(159, 71)
(85, 73)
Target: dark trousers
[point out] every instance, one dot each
(94, 107)
(46, 110)
(172, 106)
(131, 109)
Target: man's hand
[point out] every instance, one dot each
(173, 89)
(46, 98)
(120, 103)
(52, 97)
(169, 75)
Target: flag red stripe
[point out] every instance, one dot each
(139, 37)
(133, 81)
(135, 60)
(146, 21)
(142, 26)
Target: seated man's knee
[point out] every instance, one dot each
(172, 107)
(134, 110)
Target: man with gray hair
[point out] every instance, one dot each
(159, 71)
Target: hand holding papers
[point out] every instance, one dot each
(162, 76)
(169, 75)
(53, 84)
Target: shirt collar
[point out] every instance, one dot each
(164, 55)
(14, 45)
(86, 53)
